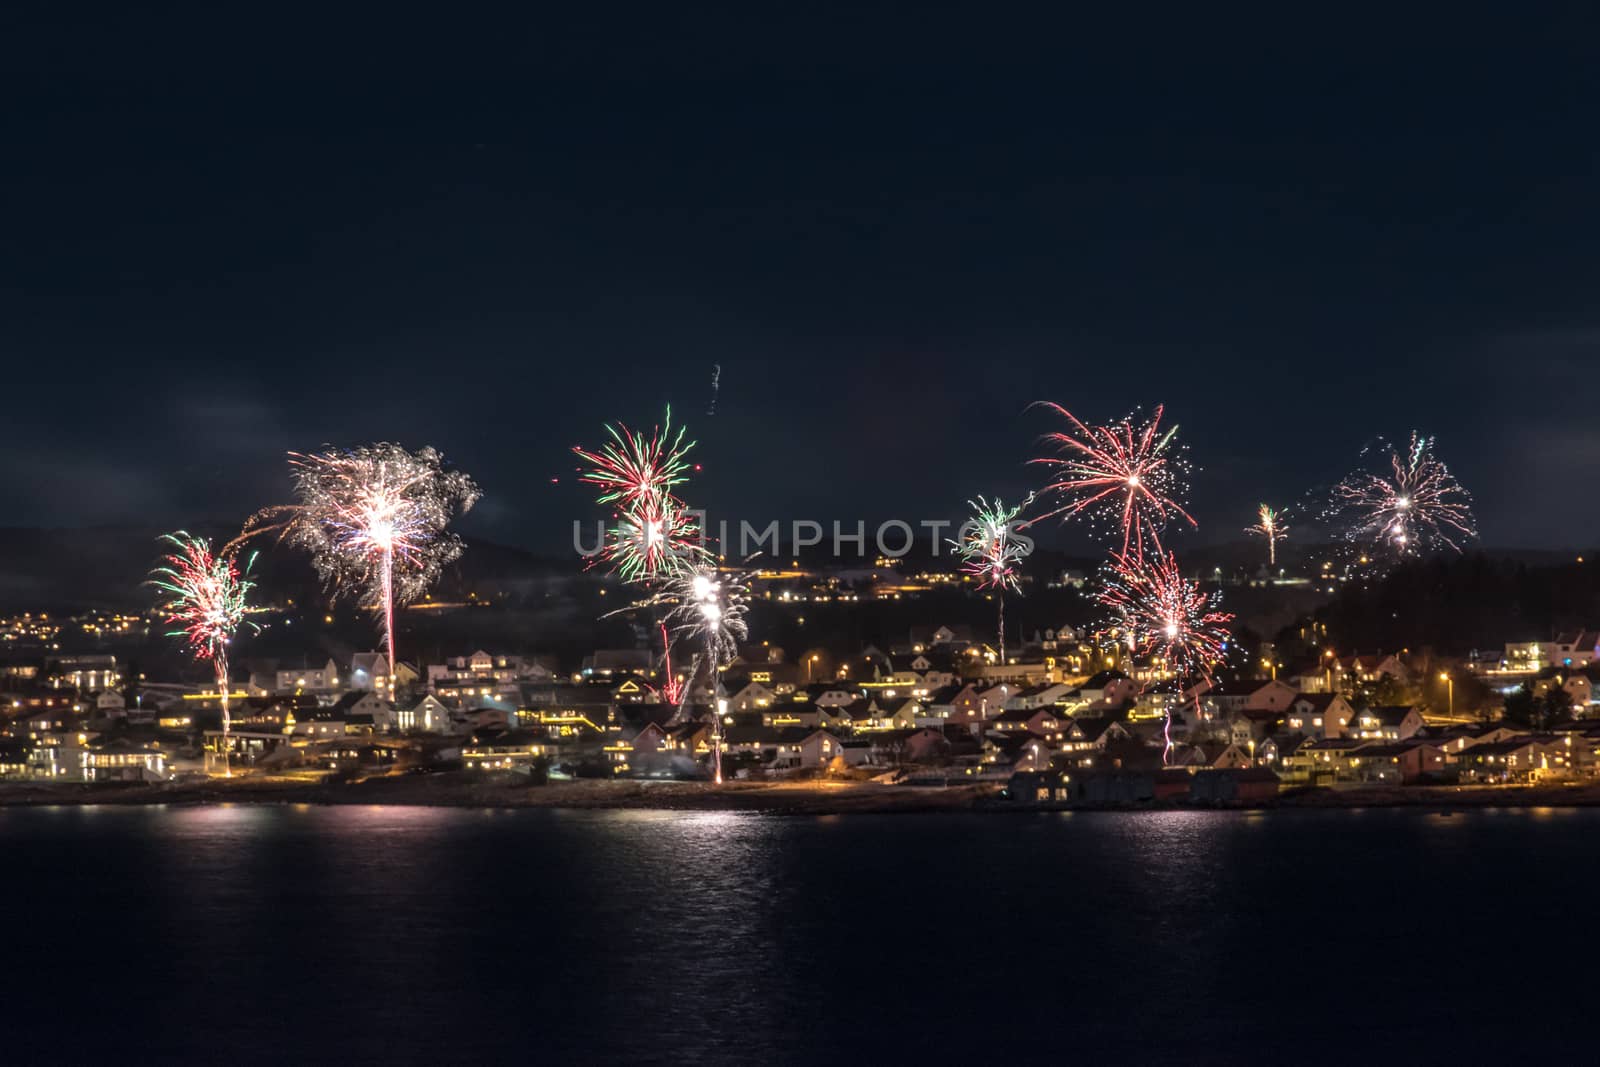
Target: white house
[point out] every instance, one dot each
(428, 715)
(307, 679)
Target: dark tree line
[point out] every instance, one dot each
(1464, 603)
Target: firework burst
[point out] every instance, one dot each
(1167, 617)
(657, 538)
(654, 535)
(705, 607)
(712, 608)
(1128, 476)
(1416, 507)
(991, 551)
(632, 466)
(373, 520)
(205, 598)
(1270, 525)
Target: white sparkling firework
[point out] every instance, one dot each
(373, 520)
(706, 608)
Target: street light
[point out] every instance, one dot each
(1444, 676)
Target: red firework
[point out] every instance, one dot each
(1169, 616)
(1126, 475)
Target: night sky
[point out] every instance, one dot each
(892, 233)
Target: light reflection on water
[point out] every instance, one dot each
(444, 935)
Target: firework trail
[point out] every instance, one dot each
(654, 535)
(1168, 617)
(1270, 525)
(671, 688)
(373, 520)
(1416, 507)
(205, 597)
(1126, 476)
(716, 381)
(991, 550)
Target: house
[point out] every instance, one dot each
(941, 703)
(514, 750)
(1582, 686)
(245, 746)
(927, 745)
(606, 662)
(992, 698)
(1089, 732)
(1109, 689)
(428, 715)
(1019, 674)
(830, 695)
(1318, 715)
(57, 754)
(1275, 751)
(315, 722)
(124, 760)
(370, 670)
(787, 713)
(1258, 694)
(929, 670)
(483, 666)
(941, 638)
(967, 706)
(1216, 754)
(1456, 739)
(465, 689)
(1247, 728)
(885, 713)
(86, 673)
(839, 717)
(1042, 723)
(1523, 758)
(782, 678)
(350, 754)
(1044, 695)
(309, 679)
(357, 711)
(1350, 671)
(363, 709)
(1033, 754)
(481, 720)
(750, 696)
(1578, 649)
(1391, 723)
(819, 748)
(649, 739)
(13, 758)
(781, 750)
(1323, 757)
(1399, 761)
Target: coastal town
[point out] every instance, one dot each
(1066, 717)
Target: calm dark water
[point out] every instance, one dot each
(245, 934)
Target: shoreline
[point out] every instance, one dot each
(819, 797)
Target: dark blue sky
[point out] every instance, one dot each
(893, 233)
